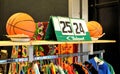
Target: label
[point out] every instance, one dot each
(67, 29)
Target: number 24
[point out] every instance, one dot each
(78, 29)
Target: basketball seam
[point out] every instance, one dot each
(92, 25)
(96, 29)
(12, 23)
(19, 28)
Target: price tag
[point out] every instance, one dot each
(67, 29)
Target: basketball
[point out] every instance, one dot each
(20, 23)
(95, 29)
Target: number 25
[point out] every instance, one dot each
(66, 25)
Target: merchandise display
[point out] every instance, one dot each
(20, 23)
(59, 36)
(48, 57)
(19, 64)
(101, 66)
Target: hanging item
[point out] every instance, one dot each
(100, 65)
(40, 30)
(3, 55)
(65, 49)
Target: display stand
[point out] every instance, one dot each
(37, 42)
(64, 31)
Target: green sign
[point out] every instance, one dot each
(66, 29)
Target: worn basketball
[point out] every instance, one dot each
(21, 23)
(95, 29)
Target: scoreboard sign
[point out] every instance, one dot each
(67, 29)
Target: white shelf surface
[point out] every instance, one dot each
(43, 42)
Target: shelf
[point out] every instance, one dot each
(42, 57)
(13, 60)
(47, 57)
(38, 42)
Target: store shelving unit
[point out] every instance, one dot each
(38, 42)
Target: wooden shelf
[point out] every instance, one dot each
(38, 42)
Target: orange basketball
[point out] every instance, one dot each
(95, 29)
(21, 23)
